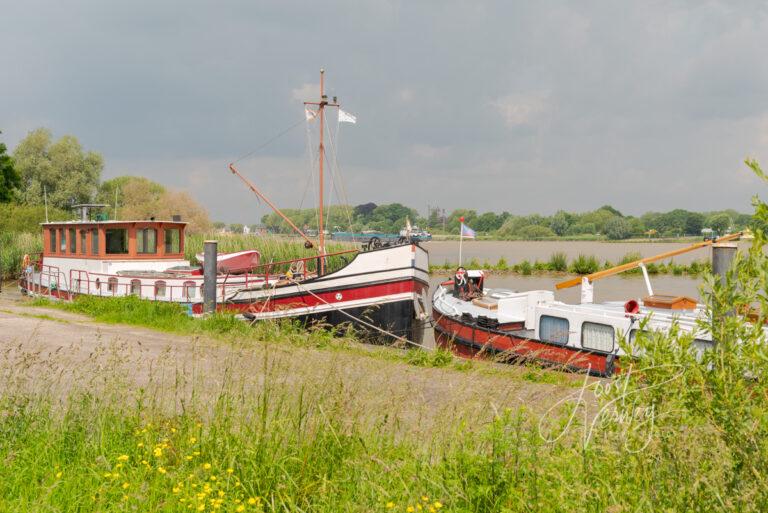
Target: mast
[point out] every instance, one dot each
(321, 214)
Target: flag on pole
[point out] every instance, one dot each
(346, 117)
(311, 115)
(467, 232)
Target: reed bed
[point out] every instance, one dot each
(582, 264)
(13, 247)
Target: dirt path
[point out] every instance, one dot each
(58, 351)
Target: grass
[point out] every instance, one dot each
(13, 247)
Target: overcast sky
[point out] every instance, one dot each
(510, 105)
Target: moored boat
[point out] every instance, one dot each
(474, 321)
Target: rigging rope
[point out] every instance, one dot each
(269, 141)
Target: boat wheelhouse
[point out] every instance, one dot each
(101, 257)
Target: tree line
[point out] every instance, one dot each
(62, 173)
(605, 221)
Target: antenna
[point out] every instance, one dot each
(116, 189)
(45, 199)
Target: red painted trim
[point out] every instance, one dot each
(488, 343)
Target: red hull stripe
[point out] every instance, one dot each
(471, 341)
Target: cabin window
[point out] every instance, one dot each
(94, 242)
(146, 240)
(63, 241)
(598, 337)
(189, 290)
(553, 329)
(72, 241)
(159, 289)
(53, 240)
(136, 287)
(116, 241)
(172, 240)
(112, 285)
(83, 246)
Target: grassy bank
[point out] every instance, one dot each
(583, 264)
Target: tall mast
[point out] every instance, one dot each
(321, 214)
(321, 231)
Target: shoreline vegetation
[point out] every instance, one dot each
(559, 264)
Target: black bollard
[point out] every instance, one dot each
(209, 276)
(722, 256)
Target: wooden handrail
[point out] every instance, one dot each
(631, 265)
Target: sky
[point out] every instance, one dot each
(518, 106)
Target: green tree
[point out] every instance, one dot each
(236, 228)
(63, 169)
(560, 222)
(618, 228)
(10, 180)
(694, 222)
(487, 222)
(535, 231)
(719, 222)
(218, 225)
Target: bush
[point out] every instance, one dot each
(525, 268)
(585, 264)
(618, 228)
(558, 262)
(535, 231)
(502, 264)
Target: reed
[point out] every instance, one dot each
(13, 247)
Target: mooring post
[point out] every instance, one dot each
(209, 275)
(722, 256)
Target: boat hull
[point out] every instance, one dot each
(467, 339)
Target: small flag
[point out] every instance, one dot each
(467, 232)
(311, 115)
(346, 117)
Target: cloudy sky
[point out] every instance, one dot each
(510, 105)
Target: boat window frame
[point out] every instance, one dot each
(83, 241)
(73, 241)
(52, 237)
(133, 291)
(166, 244)
(112, 284)
(62, 241)
(602, 324)
(158, 290)
(186, 287)
(142, 240)
(94, 241)
(107, 237)
(567, 330)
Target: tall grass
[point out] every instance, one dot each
(13, 247)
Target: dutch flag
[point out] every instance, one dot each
(467, 232)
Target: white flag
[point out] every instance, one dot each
(310, 114)
(346, 117)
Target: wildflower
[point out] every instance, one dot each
(213, 478)
(410, 509)
(432, 510)
(192, 440)
(207, 466)
(438, 504)
(230, 470)
(173, 430)
(196, 453)
(201, 507)
(240, 508)
(161, 470)
(140, 444)
(189, 458)
(58, 475)
(107, 474)
(390, 505)
(125, 497)
(252, 501)
(175, 489)
(157, 452)
(126, 485)
(119, 466)
(425, 498)
(418, 506)
(122, 457)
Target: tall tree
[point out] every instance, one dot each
(9, 177)
(67, 172)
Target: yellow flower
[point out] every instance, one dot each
(126, 485)
(189, 458)
(119, 466)
(140, 444)
(252, 501)
(230, 470)
(438, 504)
(418, 506)
(240, 508)
(409, 509)
(221, 493)
(196, 453)
(390, 505)
(175, 489)
(161, 470)
(201, 507)
(192, 440)
(125, 497)
(425, 498)
(58, 475)
(213, 478)
(173, 430)
(432, 510)
(157, 452)
(207, 466)
(122, 457)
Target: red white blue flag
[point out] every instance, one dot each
(467, 232)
